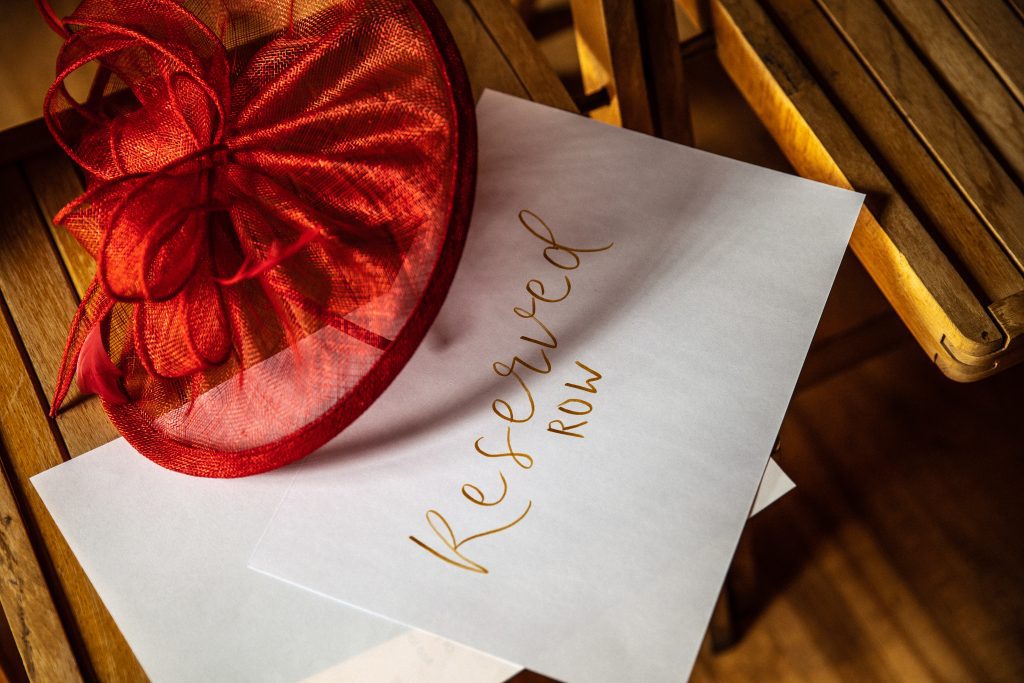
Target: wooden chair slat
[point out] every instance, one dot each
(54, 182)
(33, 280)
(995, 29)
(906, 159)
(670, 98)
(946, 318)
(519, 51)
(42, 304)
(967, 74)
(935, 119)
(39, 304)
(488, 67)
(31, 613)
(607, 41)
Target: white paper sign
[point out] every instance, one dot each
(167, 553)
(561, 474)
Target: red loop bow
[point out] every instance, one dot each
(277, 197)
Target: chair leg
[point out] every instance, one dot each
(629, 54)
(663, 69)
(737, 598)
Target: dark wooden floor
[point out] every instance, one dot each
(898, 557)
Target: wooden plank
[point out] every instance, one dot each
(668, 91)
(39, 305)
(996, 29)
(608, 45)
(54, 182)
(906, 160)
(44, 648)
(592, 51)
(487, 67)
(915, 276)
(24, 140)
(33, 280)
(698, 12)
(965, 72)
(934, 118)
(922, 498)
(42, 304)
(33, 446)
(510, 35)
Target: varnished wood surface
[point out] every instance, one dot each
(917, 103)
(56, 619)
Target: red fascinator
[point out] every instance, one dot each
(277, 197)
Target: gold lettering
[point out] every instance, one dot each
(507, 369)
(527, 217)
(509, 416)
(541, 297)
(524, 460)
(590, 388)
(587, 407)
(448, 539)
(566, 430)
(479, 495)
(553, 344)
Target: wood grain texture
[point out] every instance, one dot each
(54, 182)
(907, 162)
(629, 49)
(893, 559)
(488, 67)
(38, 305)
(820, 127)
(994, 28)
(519, 51)
(607, 42)
(967, 74)
(668, 90)
(937, 120)
(31, 613)
(42, 302)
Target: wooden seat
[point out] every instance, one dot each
(60, 627)
(917, 103)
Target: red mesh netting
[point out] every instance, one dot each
(277, 197)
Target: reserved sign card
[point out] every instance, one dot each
(561, 474)
(167, 554)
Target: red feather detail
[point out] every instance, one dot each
(96, 373)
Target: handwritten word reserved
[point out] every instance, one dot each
(564, 258)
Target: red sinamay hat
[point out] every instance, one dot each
(277, 197)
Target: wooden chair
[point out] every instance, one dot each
(917, 103)
(57, 622)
